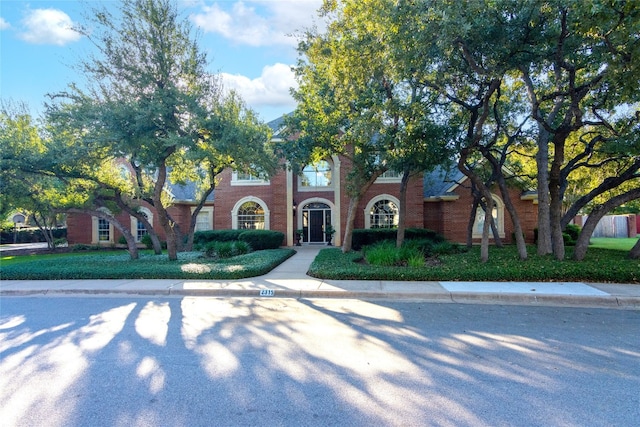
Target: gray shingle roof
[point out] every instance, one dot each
(186, 192)
(438, 182)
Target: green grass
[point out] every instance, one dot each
(600, 265)
(620, 244)
(118, 265)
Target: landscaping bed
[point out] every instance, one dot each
(600, 265)
(118, 265)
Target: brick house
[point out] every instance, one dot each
(316, 198)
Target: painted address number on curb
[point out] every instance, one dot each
(266, 292)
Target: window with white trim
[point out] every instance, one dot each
(104, 230)
(316, 175)
(498, 219)
(247, 178)
(383, 214)
(251, 216)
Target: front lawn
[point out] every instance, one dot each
(118, 265)
(600, 265)
(617, 243)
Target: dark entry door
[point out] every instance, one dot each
(316, 225)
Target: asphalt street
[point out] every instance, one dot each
(199, 361)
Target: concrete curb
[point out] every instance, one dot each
(610, 301)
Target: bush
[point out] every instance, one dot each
(146, 241)
(223, 250)
(366, 237)
(382, 253)
(573, 231)
(202, 237)
(262, 239)
(386, 254)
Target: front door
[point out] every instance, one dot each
(315, 218)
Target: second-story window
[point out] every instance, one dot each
(317, 174)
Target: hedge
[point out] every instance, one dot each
(262, 239)
(366, 237)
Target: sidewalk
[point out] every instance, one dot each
(289, 280)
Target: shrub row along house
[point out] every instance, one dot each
(316, 201)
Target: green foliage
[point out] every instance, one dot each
(503, 265)
(366, 237)
(226, 249)
(262, 239)
(31, 235)
(146, 241)
(573, 231)
(382, 253)
(118, 265)
(201, 237)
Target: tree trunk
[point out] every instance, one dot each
(634, 253)
(486, 194)
(515, 219)
(582, 244)
(484, 246)
(402, 215)
(132, 245)
(163, 216)
(555, 214)
(472, 221)
(347, 240)
(497, 240)
(609, 183)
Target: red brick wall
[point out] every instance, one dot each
(78, 228)
(451, 217)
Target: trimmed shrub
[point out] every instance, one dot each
(366, 237)
(202, 237)
(223, 250)
(262, 239)
(573, 231)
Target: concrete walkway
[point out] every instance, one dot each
(289, 280)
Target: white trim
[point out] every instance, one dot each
(208, 210)
(332, 206)
(244, 182)
(374, 200)
(234, 211)
(134, 222)
(337, 196)
(499, 206)
(95, 239)
(331, 187)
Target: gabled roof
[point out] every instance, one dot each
(186, 192)
(441, 182)
(277, 126)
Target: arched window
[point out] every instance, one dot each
(251, 216)
(498, 218)
(382, 211)
(317, 174)
(383, 214)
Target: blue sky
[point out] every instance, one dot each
(248, 42)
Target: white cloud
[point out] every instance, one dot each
(4, 25)
(259, 23)
(271, 89)
(48, 26)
